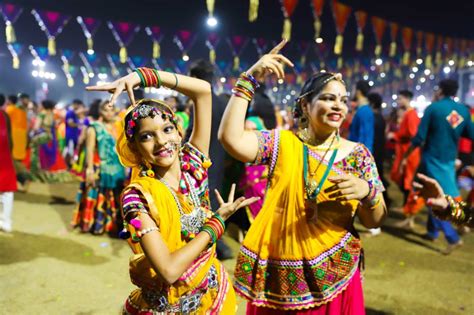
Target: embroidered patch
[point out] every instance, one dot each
(454, 119)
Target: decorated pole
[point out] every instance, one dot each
(211, 43)
(253, 10)
(439, 50)
(341, 15)
(156, 36)
(361, 19)
(184, 40)
(288, 7)
(89, 28)
(419, 43)
(379, 26)
(317, 6)
(393, 36)
(237, 44)
(52, 23)
(124, 33)
(10, 13)
(407, 38)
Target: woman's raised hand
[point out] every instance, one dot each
(226, 209)
(431, 190)
(126, 83)
(347, 187)
(273, 62)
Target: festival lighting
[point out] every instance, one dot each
(451, 62)
(223, 79)
(366, 77)
(419, 61)
(470, 63)
(412, 75)
(102, 76)
(372, 68)
(212, 22)
(414, 69)
(90, 51)
(418, 87)
(382, 74)
(371, 83)
(280, 81)
(322, 70)
(427, 71)
(394, 96)
(275, 89)
(91, 75)
(384, 105)
(185, 57)
(446, 70)
(293, 92)
(379, 61)
(422, 80)
(319, 40)
(456, 99)
(34, 73)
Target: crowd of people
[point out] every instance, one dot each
(155, 173)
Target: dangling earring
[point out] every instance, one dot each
(303, 132)
(147, 170)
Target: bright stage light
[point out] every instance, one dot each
(419, 61)
(446, 70)
(371, 83)
(91, 74)
(384, 105)
(34, 73)
(223, 79)
(275, 89)
(394, 96)
(456, 99)
(422, 80)
(414, 69)
(280, 81)
(427, 71)
(212, 21)
(382, 75)
(451, 62)
(470, 63)
(319, 40)
(366, 77)
(378, 61)
(102, 76)
(412, 75)
(185, 57)
(90, 51)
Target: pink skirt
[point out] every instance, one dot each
(349, 302)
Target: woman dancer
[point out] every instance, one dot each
(98, 200)
(166, 207)
(302, 254)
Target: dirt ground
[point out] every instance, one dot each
(45, 268)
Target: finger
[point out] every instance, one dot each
(230, 199)
(417, 185)
(338, 178)
(131, 95)
(104, 87)
(278, 47)
(237, 204)
(219, 197)
(271, 68)
(114, 96)
(283, 59)
(279, 68)
(248, 202)
(332, 188)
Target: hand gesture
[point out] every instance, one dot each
(90, 177)
(126, 83)
(430, 189)
(348, 187)
(273, 62)
(226, 209)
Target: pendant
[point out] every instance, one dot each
(311, 210)
(312, 186)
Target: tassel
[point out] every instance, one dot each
(406, 58)
(299, 79)
(418, 51)
(253, 10)
(438, 58)
(462, 62)
(378, 50)
(317, 28)
(70, 81)
(16, 62)
(286, 29)
(340, 63)
(429, 61)
(156, 50)
(393, 49)
(338, 44)
(90, 44)
(212, 56)
(210, 6)
(123, 54)
(52, 46)
(10, 33)
(86, 79)
(66, 67)
(303, 60)
(236, 63)
(356, 67)
(360, 41)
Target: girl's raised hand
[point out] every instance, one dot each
(126, 83)
(226, 209)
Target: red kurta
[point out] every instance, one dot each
(407, 130)
(7, 170)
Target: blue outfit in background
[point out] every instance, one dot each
(362, 127)
(443, 123)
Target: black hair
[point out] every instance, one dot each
(312, 87)
(94, 110)
(12, 99)
(408, 94)
(77, 101)
(48, 104)
(375, 100)
(363, 87)
(202, 69)
(2, 99)
(23, 95)
(448, 87)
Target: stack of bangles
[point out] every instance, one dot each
(149, 77)
(373, 198)
(457, 212)
(215, 227)
(245, 86)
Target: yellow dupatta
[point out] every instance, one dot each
(306, 263)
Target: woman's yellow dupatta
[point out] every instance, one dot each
(306, 262)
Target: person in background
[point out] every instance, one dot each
(19, 130)
(72, 129)
(204, 70)
(262, 106)
(362, 125)
(7, 171)
(375, 101)
(403, 175)
(180, 109)
(443, 123)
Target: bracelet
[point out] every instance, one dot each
(245, 86)
(455, 211)
(176, 81)
(215, 227)
(149, 77)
